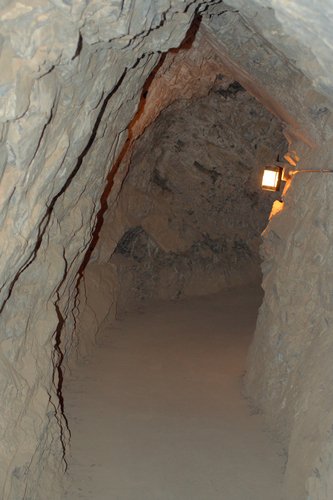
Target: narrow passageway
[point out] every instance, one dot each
(157, 412)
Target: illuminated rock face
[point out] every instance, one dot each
(72, 84)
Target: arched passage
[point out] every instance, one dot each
(73, 77)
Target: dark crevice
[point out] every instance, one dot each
(58, 355)
(231, 92)
(110, 177)
(122, 155)
(190, 35)
(58, 377)
(46, 219)
(79, 47)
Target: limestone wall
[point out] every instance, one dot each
(191, 210)
(253, 56)
(290, 375)
(70, 81)
(300, 29)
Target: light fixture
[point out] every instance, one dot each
(271, 179)
(274, 174)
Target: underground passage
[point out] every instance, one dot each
(166, 284)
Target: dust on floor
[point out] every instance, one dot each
(157, 412)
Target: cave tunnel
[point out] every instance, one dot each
(166, 322)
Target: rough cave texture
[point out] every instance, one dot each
(191, 210)
(290, 372)
(299, 30)
(71, 79)
(77, 81)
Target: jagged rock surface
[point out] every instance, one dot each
(191, 205)
(270, 76)
(300, 29)
(71, 79)
(290, 363)
(72, 74)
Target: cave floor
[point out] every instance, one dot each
(157, 412)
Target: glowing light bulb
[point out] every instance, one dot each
(271, 179)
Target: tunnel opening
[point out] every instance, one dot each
(114, 161)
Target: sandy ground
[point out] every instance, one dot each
(157, 413)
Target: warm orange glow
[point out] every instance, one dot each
(271, 178)
(292, 158)
(276, 208)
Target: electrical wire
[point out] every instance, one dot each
(322, 171)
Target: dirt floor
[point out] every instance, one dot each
(157, 413)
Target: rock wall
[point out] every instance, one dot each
(250, 54)
(290, 375)
(289, 367)
(71, 79)
(300, 29)
(191, 210)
